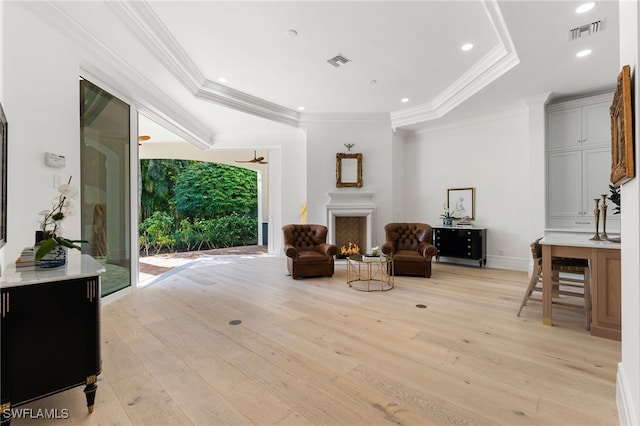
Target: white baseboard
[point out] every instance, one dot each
(497, 262)
(626, 413)
(510, 263)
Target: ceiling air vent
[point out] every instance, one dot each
(338, 60)
(586, 30)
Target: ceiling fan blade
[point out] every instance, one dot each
(255, 159)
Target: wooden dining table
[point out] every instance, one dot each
(605, 266)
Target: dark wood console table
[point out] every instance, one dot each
(50, 332)
(461, 242)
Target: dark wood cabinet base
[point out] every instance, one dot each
(461, 243)
(50, 337)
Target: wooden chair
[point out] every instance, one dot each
(564, 287)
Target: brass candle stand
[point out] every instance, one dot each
(596, 213)
(604, 235)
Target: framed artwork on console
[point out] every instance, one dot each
(461, 202)
(622, 161)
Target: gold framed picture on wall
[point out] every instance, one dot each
(348, 170)
(622, 156)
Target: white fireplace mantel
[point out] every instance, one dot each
(357, 204)
(351, 199)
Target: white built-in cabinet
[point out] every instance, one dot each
(578, 163)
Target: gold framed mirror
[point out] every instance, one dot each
(348, 170)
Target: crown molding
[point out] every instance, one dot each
(170, 124)
(99, 61)
(506, 111)
(540, 99)
(338, 117)
(148, 28)
(575, 101)
(499, 60)
(240, 101)
(140, 19)
(143, 22)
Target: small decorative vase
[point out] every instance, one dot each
(55, 258)
(447, 221)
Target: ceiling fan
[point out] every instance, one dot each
(255, 159)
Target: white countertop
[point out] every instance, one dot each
(78, 266)
(577, 240)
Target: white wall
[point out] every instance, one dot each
(537, 166)
(373, 138)
(398, 189)
(489, 153)
(41, 101)
(291, 189)
(628, 380)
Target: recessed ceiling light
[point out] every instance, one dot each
(373, 81)
(585, 7)
(467, 46)
(292, 33)
(222, 80)
(405, 100)
(301, 108)
(583, 53)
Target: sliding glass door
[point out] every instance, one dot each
(105, 183)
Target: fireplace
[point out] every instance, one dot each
(350, 219)
(351, 234)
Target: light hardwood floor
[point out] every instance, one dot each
(314, 351)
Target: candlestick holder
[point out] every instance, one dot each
(596, 213)
(604, 235)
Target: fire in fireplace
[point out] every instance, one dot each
(349, 249)
(351, 234)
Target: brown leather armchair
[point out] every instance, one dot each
(409, 244)
(308, 253)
